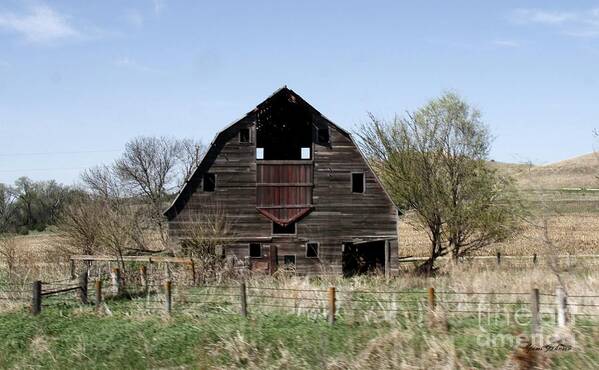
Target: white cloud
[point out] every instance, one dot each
(507, 43)
(583, 23)
(41, 24)
(159, 6)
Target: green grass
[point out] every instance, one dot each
(81, 339)
(78, 338)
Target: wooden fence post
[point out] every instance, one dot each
(36, 298)
(98, 294)
(562, 303)
(498, 258)
(143, 273)
(193, 271)
(331, 304)
(116, 281)
(167, 271)
(72, 268)
(535, 304)
(243, 298)
(168, 297)
(432, 302)
(534, 259)
(83, 287)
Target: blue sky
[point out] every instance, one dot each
(80, 78)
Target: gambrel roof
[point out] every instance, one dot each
(194, 179)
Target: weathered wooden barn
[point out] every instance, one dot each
(299, 191)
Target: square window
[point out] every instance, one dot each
(209, 183)
(312, 250)
(289, 260)
(244, 135)
(288, 229)
(255, 250)
(259, 153)
(305, 153)
(357, 182)
(323, 136)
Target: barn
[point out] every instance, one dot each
(299, 191)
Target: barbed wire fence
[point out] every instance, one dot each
(159, 296)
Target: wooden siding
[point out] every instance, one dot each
(337, 215)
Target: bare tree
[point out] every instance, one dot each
(434, 162)
(94, 226)
(145, 177)
(104, 182)
(207, 233)
(123, 212)
(79, 227)
(190, 155)
(8, 208)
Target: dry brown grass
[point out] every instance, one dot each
(34, 257)
(578, 172)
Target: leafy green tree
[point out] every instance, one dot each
(434, 162)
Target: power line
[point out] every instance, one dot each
(46, 169)
(58, 153)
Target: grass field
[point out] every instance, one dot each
(80, 339)
(128, 336)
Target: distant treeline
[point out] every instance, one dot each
(33, 205)
(148, 173)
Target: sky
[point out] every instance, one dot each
(80, 78)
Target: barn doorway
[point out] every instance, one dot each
(363, 258)
(263, 258)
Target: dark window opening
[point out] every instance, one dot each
(312, 250)
(244, 135)
(289, 260)
(323, 136)
(255, 250)
(363, 258)
(284, 129)
(279, 229)
(357, 182)
(209, 183)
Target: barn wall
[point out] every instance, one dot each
(338, 215)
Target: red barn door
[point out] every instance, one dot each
(284, 190)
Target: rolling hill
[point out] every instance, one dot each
(577, 172)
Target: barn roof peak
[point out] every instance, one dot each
(282, 90)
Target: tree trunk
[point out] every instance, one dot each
(428, 267)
